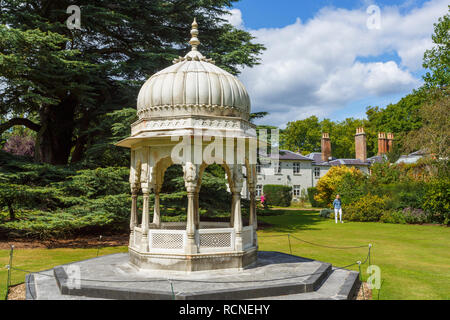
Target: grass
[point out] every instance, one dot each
(414, 260)
(42, 259)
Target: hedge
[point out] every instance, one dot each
(312, 191)
(277, 195)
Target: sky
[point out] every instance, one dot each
(332, 59)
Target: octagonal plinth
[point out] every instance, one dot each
(274, 276)
(216, 246)
(193, 262)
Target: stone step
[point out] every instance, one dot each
(340, 285)
(276, 276)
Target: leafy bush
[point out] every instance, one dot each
(437, 200)
(104, 215)
(325, 213)
(327, 185)
(367, 208)
(277, 195)
(401, 195)
(414, 216)
(351, 188)
(396, 217)
(98, 182)
(312, 191)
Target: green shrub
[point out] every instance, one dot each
(395, 216)
(277, 195)
(351, 188)
(98, 182)
(415, 216)
(104, 215)
(325, 213)
(401, 195)
(312, 191)
(437, 201)
(367, 208)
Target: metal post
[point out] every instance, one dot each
(8, 281)
(289, 240)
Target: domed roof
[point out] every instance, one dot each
(193, 85)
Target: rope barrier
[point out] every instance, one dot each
(171, 281)
(196, 281)
(309, 242)
(9, 267)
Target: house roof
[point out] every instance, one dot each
(354, 162)
(376, 159)
(288, 155)
(316, 157)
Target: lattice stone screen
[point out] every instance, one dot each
(161, 240)
(247, 237)
(214, 239)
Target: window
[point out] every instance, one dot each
(258, 168)
(317, 172)
(277, 168)
(259, 189)
(296, 167)
(297, 191)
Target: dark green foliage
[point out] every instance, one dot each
(277, 195)
(72, 80)
(437, 200)
(352, 188)
(393, 216)
(437, 59)
(98, 182)
(312, 191)
(52, 201)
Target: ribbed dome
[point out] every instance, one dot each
(193, 86)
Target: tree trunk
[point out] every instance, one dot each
(54, 141)
(12, 214)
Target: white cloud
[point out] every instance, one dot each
(235, 18)
(322, 65)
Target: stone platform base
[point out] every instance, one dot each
(274, 276)
(194, 262)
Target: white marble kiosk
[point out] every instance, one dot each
(192, 113)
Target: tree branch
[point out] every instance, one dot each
(19, 122)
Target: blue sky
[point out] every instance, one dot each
(279, 13)
(323, 60)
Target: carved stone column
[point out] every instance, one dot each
(145, 220)
(251, 181)
(133, 215)
(156, 208)
(237, 184)
(190, 181)
(196, 211)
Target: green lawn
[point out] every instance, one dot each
(42, 259)
(414, 260)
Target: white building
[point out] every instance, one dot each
(302, 172)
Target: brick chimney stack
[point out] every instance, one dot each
(326, 147)
(390, 142)
(382, 143)
(361, 145)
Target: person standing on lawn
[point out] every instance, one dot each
(263, 201)
(337, 208)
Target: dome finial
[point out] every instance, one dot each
(194, 42)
